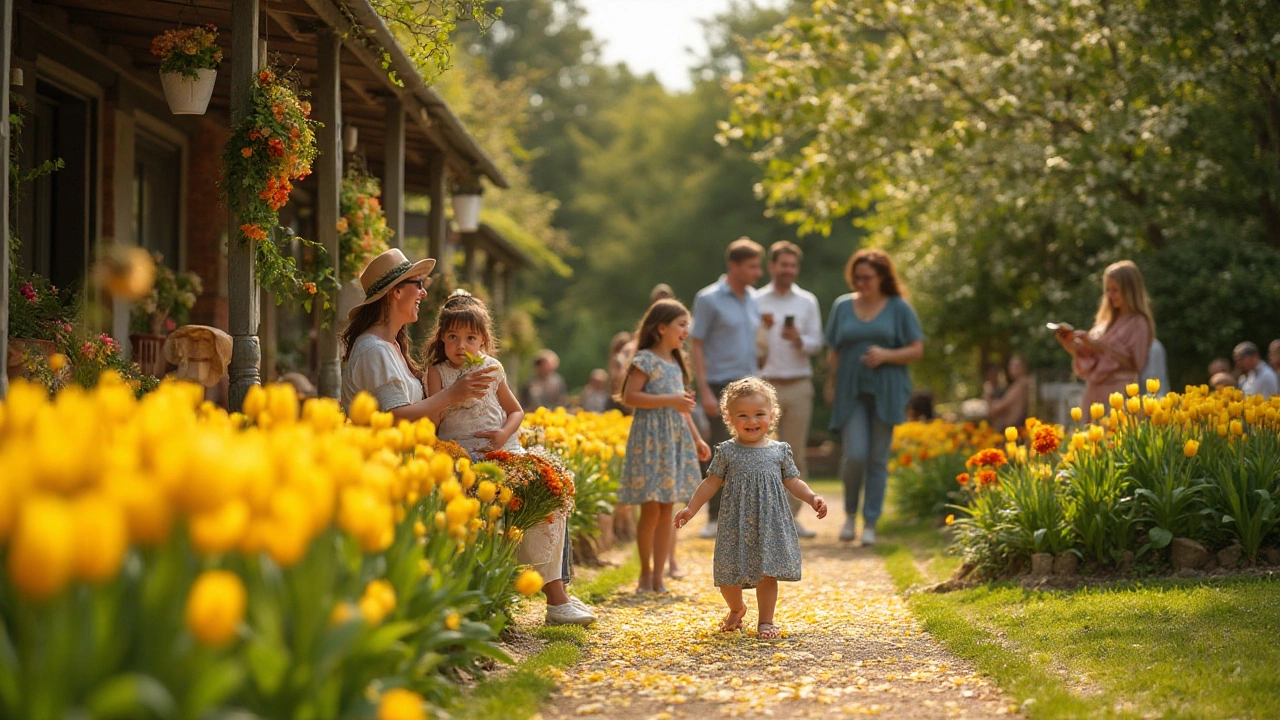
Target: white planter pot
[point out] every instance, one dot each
(187, 96)
(466, 212)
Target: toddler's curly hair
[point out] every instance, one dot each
(749, 387)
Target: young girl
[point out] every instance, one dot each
(463, 335)
(756, 545)
(664, 447)
(460, 344)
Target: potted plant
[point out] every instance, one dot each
(82, 359)
(166, 307)
(271, 147)
(39, 319)
(188, 67)
(362, 229)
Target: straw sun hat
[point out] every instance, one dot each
(385, 272)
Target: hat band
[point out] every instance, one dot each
(387, 278)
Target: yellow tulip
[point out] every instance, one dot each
(1076, 414)
(1191, 448)
(215, 607)
(57, 361)
(401, 704)
(529, 582)
(1131, 389)
(342, 614)
(1096, 411)
(1237, 428)
(219, 531)
(42, 550)
(255, 401)
(1153, 385)
(1011, 434)
(101, 537)
(453, 621)
(951, 519)
(1133, 405)
(1116, 400)
(363, 406)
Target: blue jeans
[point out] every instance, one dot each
(867, 440)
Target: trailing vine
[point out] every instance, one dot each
(425, 28)
(272, 146)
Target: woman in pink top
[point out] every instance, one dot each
(1112, 353)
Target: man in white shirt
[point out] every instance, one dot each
(1258, 378)
(792, 324)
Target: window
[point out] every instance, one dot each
(55, 212)
(157, 188)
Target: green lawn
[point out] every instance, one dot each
(1173, 648)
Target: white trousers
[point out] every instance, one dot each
(543, 548)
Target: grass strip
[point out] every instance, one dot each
(518, 694)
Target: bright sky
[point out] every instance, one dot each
(654, 35)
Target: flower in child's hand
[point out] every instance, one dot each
(472, 360)
(820, 506)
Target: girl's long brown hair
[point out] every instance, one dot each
(371, 315)
(1132, 288)
(879, 261)
(663, 312)
(464, 311)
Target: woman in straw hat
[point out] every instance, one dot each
(377, 358)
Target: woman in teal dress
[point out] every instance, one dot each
(872, 335)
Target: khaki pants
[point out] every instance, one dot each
(543, 548)
(795, 399)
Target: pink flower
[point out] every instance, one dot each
(169, 324)
(28, 292)
(87, 349)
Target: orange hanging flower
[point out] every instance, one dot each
(246, 151)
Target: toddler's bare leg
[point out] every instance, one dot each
(737, 609)
(767, 599)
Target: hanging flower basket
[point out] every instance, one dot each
(362, 230)
(269, 149)
(188, 67)
(186, 96)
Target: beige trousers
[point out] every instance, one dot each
(543, 548)
(795, 399)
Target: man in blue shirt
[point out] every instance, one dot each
(725, 321)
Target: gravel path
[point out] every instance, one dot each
(850, 647)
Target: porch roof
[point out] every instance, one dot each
(117, 34)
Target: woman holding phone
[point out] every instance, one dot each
(1112, 353)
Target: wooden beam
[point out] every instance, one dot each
(328, 97)
(393, 171)
(242, 276)
(6, 52)
(360, 90)
(437, 221)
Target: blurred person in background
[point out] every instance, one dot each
(1112, 353)
(1273, 355)
(1157, 369)
(595, 396)
(546, 388)
(1009, 405)
(1258, 378)
(1222, 380)
(1218, 366)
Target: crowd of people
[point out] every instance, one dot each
(712, 386)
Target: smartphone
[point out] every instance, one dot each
(789, 321)
(1055, 327)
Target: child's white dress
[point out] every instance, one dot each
(461, 422)
(543, 544)
(756, 535)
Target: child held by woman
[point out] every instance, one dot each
(664, 447)
(757, 544)
(463, 342)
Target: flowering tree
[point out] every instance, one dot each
(1007, 151)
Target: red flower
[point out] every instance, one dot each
(29, 293)
(987, 477)
(1045, 439)
(963, 478)
(993, 458)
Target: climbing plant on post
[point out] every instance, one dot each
(271, 147)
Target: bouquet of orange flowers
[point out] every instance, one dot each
(540, 485)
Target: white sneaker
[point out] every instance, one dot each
(849, 531)
(576, 602)
(805, 532)
(568, 614)
(868, 536)
(709, 531)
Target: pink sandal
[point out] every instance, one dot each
(769, 631)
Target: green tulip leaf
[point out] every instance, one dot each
(1159, 537)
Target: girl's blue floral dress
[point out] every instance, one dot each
(662, 461)
(757, 535)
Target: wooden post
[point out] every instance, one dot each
(126, 135)
(328, 97)
(491, 276)
(393, 175)
(437, 221)
(242, 276)
(6, 49)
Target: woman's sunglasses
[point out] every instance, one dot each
(416, 281)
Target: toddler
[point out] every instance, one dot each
(757, 544)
